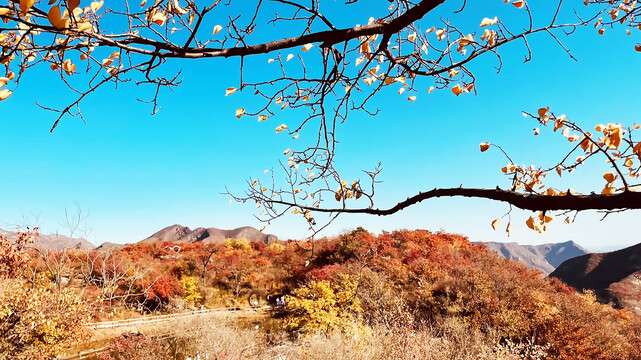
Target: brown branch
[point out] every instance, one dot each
(534, 202)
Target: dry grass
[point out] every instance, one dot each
(227, 339)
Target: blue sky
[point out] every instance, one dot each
(138, 173)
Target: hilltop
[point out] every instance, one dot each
(545, 258)
(179, 233)
(613, 276)
(55, 242)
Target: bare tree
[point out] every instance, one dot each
(326, 70)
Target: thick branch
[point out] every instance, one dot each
(534, 202)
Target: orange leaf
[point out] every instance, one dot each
(25, 5)
(609, 177)
(484, 146)
(496, 223)
(240, 112)
(230, 91)
(519, 4)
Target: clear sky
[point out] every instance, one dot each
(138, 173)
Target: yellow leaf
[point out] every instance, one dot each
(496, 223)
(159, 18)
(240, 112)
(488, 21)
(484, 146)
(430, 30)
(453, 73)
(143, 3)
(401, 90)
(25, 5)
(96, 5)
(217, 29)
(628, 163)
(307, 47)
(271, 61)
(86, 26)
(295, 136)
(310, 175)
(289, 57)
(281, 127)
(230, 201)
(3, 81)
(411, 98)
(4, 94)
(429, 91)
(230, 91)
(5, 11)
(519, 4)
(287, 151)
(262, 117)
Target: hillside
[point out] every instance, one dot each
(544, 257)
(179, 233)
(613, 276)
(54, 242)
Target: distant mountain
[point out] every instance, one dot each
(613, 276)
(179, 233)
(544, 257)
(54, 242)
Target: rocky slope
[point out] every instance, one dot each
(54, 242)
(544, 257)
(179, 233)
(613, 276)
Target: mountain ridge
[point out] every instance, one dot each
(55, 242)
(613, 276)
(544, 257)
